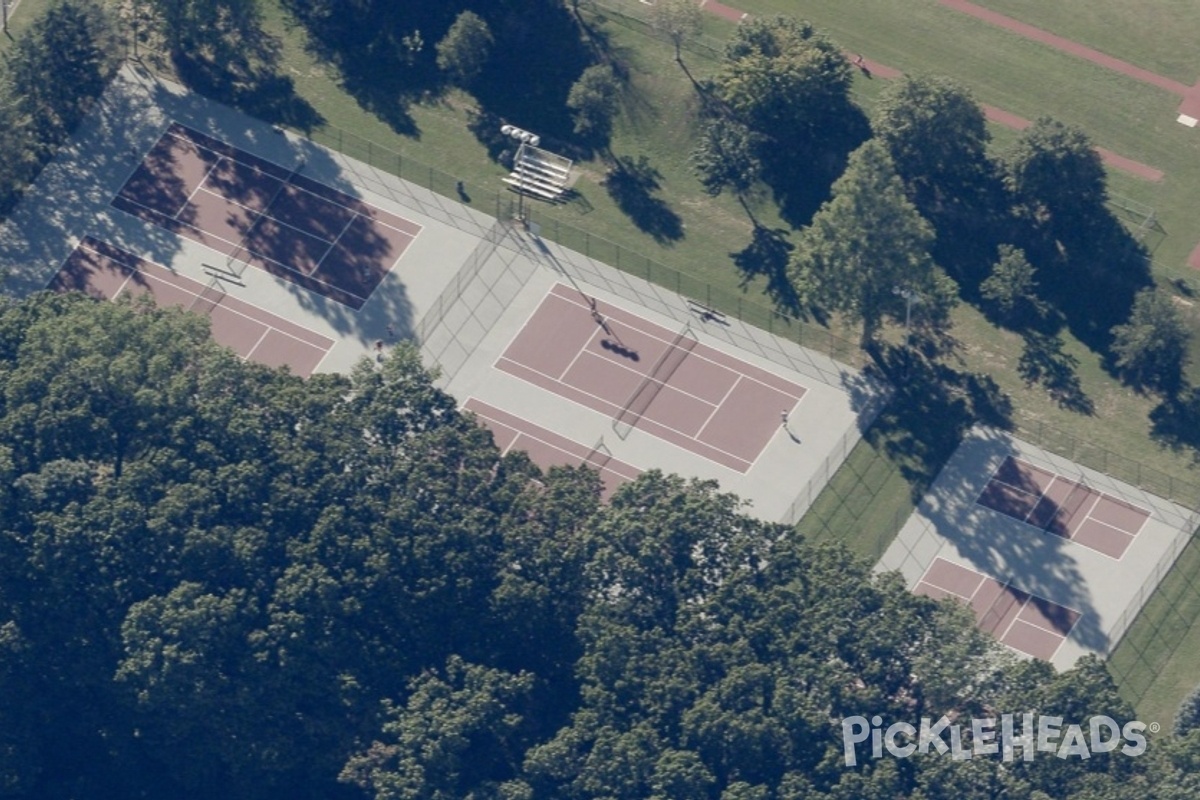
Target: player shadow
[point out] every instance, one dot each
(615, 347)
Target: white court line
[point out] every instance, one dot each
(684, 434)
(575, 358)
(332, 245)
(536, 438)
(285, 180)
(652, 335)
(644, 375)
(199, 186)
(1004, 588)
(1079, 616)
(186, 290)
(261, 215)
(250, 352)
(203, 232)
(717, 407)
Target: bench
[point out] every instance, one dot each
(706, 313)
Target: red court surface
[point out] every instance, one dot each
(105, 271)
(1063, 507)
(548, 449)
(1023, 621)
(647, 377)
(253, 211)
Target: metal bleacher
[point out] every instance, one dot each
(539, 173)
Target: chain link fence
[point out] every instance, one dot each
(472, 303)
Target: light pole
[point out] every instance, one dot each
(5, 2)
(911, 298)
(525, 138)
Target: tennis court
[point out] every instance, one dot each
(256, 212)
(1023, 621)
(105, 271)
(548, 449)
(644, 376)
(1063, 506)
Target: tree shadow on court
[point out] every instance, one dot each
(999, 543)
(932, 408)
(766, 256)
(632, 184)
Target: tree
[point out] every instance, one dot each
(464, 50)
(937, 137)
(782, 78)
(866, 241)
(205, 28)
(1187, 718)
(1012, 287)
(458, 735)
(593, 102)
(727, 157)
(1150, 349)
(74, 41)
(1056, 176)
(678, 20)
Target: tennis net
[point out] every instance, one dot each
(237, 257)
(209, 298)
(655, 380)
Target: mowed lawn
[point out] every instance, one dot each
(1158, 35)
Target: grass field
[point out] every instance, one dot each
(1155, 664)
(1158, 35)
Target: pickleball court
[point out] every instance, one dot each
(661, 382)
(1023, 621)
(548, 449)
(274, 217)
(105, 271)
(1063, 506)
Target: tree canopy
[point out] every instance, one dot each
(867, 246)
(464, 50)
(1150, 349)
(74, 41)
(216, 574)
(937, 137)
(1056, 175)
(783, 78)
(593, 101)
